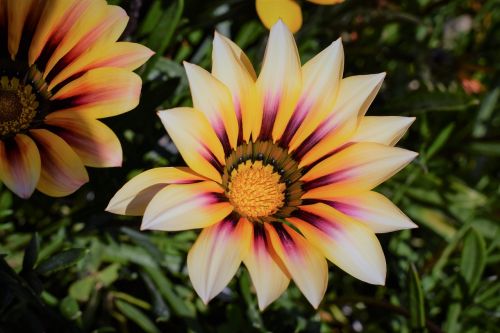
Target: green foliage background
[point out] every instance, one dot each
(67, 266)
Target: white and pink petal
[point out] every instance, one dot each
(348, 243)
(197, 142)
(186, 206)
(306, 265)
(358, 167)
(230, 67)
(214, 99)
(137, 193)
(217, 254)
(269, 276)
(321, 81)
(279, 83)
(354, 97)
(386, 130)
(372, 209)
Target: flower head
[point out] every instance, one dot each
(280, 172)
(270, 11)
(61, 68)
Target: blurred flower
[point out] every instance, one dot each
(60, 70)
(281, 169)
(270, 11)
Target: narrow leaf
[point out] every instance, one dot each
(61, 261)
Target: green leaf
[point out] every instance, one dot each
(440, 140)
(137, 316)
(160, 308)
(61, 261)
(109, 275)
(81, 289)
(473, 259)
(161, 36)
(31, 253)
(165, 287)
(485, 148)
(416, 301)
(485, 113)
(69, 308)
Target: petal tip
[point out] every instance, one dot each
(280, 26)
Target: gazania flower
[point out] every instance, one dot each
(280, 172)
(61, 68)
(270, 11)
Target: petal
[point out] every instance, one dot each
(240, 55)
(349, 244)
(268, 278)
(95, 143)
(384, 130)
(135, 195)
(287, 10)
(231, 70)
(17, 13)
(186, 206)
(196, 140)
(321, 77)
(354, 97)
(359, 167)
(305, 264)
(100, 93)
(213, 98)
(62, 170)
(216, 255)
(373, 209)
(279, 82)
(20, 165)
(125, 55)
(96, 28)
(56, 20)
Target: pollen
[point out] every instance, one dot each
(18, 106)
(255, 190)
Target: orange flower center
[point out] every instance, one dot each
(18, 106)
(261, 181)
(255, 190)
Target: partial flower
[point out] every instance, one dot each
(289, 11)
(281, 172)
(61, 69)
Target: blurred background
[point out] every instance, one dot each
(67, 266)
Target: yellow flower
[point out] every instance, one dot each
(270, 11)
(280, 172)
(61, 68)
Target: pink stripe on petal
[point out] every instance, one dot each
(271, 107)
(20, 165)
(187, 206)
(299, 114)
(348, 243)
(89, 40)
(329, 227)
(68, 20)
(62, 170)
(137, 193)
(216, 255)
(94, 142)
(328, 179)
(304, 263)
(325, 128)
(267, 272)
